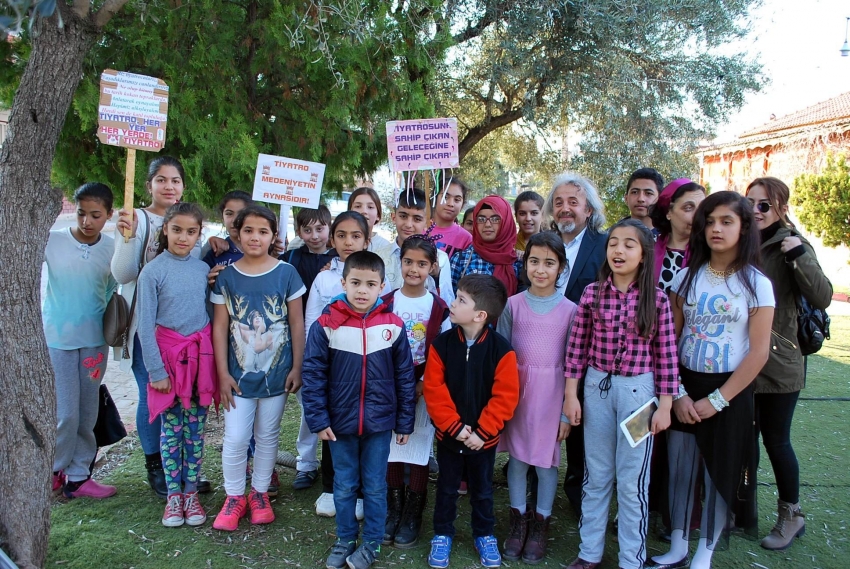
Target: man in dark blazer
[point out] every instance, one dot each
(578, 215)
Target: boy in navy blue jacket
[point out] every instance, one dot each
(356, 403)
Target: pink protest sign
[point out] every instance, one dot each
(422, 144)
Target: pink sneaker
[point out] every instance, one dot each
(58, 481)
(463, 489)
(193, 512)
(91, 489)
(261, 508)
(235, 508)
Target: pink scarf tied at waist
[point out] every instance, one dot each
(190, 364)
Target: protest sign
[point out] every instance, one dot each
(133, 110)
(132, 113)
(288, 181)
(422, 144)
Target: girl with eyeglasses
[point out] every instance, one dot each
(492, 251)
(790, 263)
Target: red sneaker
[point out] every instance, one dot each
(235, 508)
(58, 481)
(261, 508)
(193, 512)
(91, 488)
(173, 516)
(274, 485)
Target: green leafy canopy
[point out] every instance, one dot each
(822, 201)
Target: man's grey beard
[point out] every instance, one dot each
(566, 227)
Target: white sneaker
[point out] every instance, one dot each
(358, 510)
(325, 505)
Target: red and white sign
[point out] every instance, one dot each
(422, 144)
(133, 110)
(288, 181)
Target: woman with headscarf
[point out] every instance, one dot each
(492, 251)
(672, 216)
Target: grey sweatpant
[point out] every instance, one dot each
(78, 376)
(609, 457)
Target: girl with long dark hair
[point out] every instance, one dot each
(723, 307)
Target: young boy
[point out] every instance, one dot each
(450, 203)
(312, 226)
(471, 390)
(79, 285)
(528, 211)
(409, 219)
(356, 402)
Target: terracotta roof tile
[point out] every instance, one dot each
(829, 110)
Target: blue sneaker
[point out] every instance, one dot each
(488, 550)
(441, 550)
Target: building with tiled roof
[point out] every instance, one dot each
(784, 147)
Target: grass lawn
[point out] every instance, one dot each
(125, 531)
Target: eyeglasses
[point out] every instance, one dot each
(493, 219)
(763, 207)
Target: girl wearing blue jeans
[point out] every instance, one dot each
(165, 184)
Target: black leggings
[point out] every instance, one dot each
(773, 415)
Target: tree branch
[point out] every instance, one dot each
(490, 16)
(81, 8)
(478, 132)
(109, 9)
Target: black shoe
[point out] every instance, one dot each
(305, 479)
(407, 535)
(395, 505)
(680, 564)
(156, 475)
(204, 486)
(340, 551)
(364, 556)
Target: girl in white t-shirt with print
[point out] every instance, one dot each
(425, 316)
(723, 308)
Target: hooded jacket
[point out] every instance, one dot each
(358, 372)
(793, 273)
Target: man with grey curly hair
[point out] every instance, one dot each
(576, 212)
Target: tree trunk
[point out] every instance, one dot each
(28, 208)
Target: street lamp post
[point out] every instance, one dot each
(845, 49)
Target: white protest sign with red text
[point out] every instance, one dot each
(422, 144)
(288, 181)
(133, 110)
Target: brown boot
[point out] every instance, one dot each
(516, 535)
(790, 523)
(535, 548)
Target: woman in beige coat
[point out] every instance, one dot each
(790, 263)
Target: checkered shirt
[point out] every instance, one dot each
(608, 339)
(476, 266)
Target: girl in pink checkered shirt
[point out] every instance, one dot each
(623, 345)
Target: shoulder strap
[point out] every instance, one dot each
(147, 237)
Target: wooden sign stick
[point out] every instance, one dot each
(427, 198)
(129, 177)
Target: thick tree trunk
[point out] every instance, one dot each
(28, 208)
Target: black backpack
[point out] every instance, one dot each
(812, 326)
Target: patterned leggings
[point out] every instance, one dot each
(181, 443)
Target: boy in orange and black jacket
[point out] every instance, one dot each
(471, 389)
